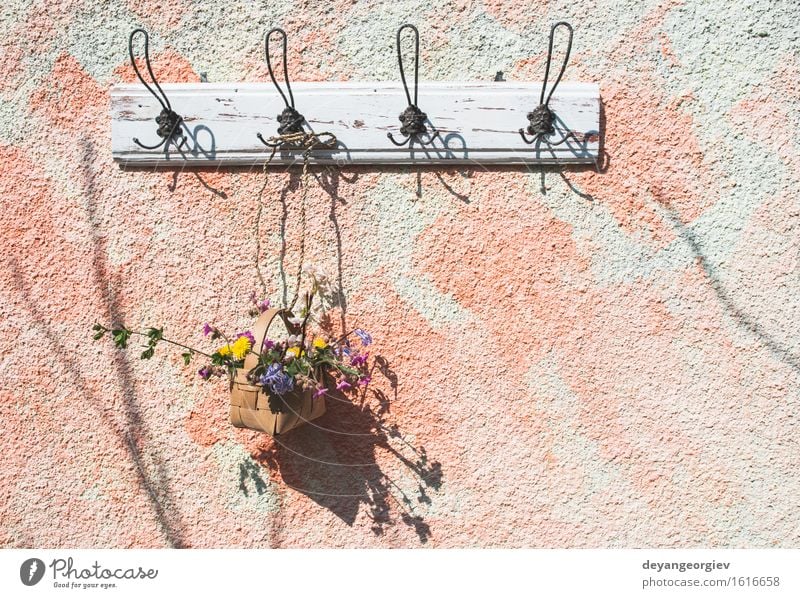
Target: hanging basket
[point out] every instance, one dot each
(251, 404)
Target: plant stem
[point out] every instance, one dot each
(343, 337)
(171, 342)
(305, 322)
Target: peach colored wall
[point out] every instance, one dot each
(579, 358)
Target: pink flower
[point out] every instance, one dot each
(357, 359)
(262, 305)
(344, 385)
(364, 380)
(249, 336)
(320, 392)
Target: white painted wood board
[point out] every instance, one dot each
(478, 122)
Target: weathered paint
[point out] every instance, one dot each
(574, 358)
(478, 124)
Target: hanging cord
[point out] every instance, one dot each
(290, 120)
(412, 119)
(302, 257)
(308, 142)
(541, 121)
(259, 210)
(168, 120)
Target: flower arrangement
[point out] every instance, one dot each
(298, 362)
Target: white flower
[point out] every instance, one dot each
(319, 275)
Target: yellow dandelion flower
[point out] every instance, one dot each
(224, 350)
(293, 351)
(319, 343)
(240, 347)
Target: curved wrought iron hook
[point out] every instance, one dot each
(168, 120)
(541, 120)
(290, 120)
(412, 119)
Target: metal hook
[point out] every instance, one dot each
(541, 120)
(289, 103)
(412, 119)
(168, 120)
(290, 120)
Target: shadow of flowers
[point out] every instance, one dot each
(340, 461)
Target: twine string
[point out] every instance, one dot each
(307, 142)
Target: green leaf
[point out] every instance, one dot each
(121, 336)
(187, 357)
(348, 371)
(98, 335)
(147, 353)
(292, 368)
(155, 334)
(341, 367)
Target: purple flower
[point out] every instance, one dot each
(364, 380)
(207, 329)
(344, 385)
(248, 334)
(205, 372)
(272, 373)
(262, 305)
(284, 384)
(269, 345)
(278, 381)
(320, 392)
(358, 359)
(365, 337)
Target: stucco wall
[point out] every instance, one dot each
(580, 358)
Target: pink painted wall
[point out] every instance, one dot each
(575, 358)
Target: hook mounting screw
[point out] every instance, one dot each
(541, 121)
(413, 122)
(291, 121)
(168, 121)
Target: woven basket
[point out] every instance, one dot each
(250, 403)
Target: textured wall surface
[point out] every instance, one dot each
(574, 358)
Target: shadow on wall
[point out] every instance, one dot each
(334, 461)
(329, 178)
(742, 319)
(131, 431)
(601, 167)
(684, 232)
